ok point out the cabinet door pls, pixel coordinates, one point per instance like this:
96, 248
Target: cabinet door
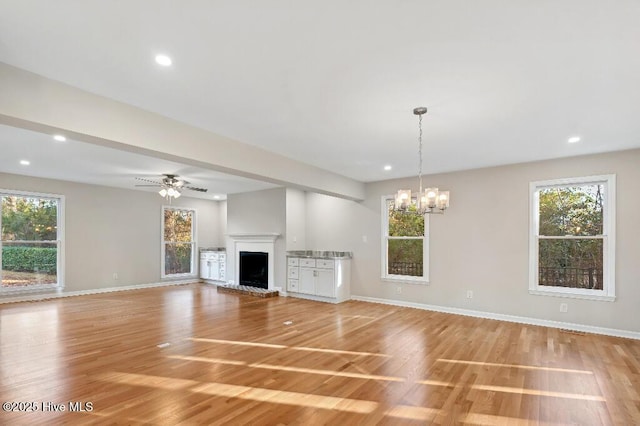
208, 273
293, 272
306, 283
308, 263
293, 285
214, 271
204, 273
223, 270
324, 283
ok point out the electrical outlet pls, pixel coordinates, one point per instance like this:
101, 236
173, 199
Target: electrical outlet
364, 239
399, 289
115, 275
564, 307
469, 294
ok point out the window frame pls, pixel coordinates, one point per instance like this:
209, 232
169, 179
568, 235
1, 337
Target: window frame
385, 276
193, 269
60, 243
608, 238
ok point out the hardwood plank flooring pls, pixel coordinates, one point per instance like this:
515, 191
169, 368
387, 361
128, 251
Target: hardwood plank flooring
236, 359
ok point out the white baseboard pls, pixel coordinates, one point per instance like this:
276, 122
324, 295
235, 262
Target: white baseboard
502, 317
311, 297
26, 297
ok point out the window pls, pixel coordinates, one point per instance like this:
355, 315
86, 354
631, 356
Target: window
405, 247
572, 239
178, 242
31, 241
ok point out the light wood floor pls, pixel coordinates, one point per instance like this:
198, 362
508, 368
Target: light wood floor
244, 360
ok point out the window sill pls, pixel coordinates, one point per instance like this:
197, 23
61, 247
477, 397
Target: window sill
572, 295
38, 288
179, 276
406, 280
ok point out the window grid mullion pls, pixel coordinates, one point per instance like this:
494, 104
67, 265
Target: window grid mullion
572, 237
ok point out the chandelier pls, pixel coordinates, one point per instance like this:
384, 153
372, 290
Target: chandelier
428, 201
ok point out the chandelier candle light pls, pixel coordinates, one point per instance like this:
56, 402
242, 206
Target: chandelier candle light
428, 201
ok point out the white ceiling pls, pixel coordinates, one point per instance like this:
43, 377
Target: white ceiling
333, 83
88, 163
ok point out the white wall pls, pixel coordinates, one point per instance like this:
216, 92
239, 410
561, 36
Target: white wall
110, 230
296, 219
332, 223
222, 223
481, 243
258, 211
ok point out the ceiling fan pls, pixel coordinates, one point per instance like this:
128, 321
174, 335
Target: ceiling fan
171, 186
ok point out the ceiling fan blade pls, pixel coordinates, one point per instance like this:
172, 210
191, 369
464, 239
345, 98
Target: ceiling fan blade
148, 180
170, 181
196, 189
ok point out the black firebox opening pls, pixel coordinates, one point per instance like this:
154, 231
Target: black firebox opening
254, 269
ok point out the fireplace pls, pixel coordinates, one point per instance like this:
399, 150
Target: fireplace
254, 243
254, 269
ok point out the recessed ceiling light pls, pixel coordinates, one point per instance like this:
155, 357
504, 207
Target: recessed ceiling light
25, 162
216, 197
387, 167
574, 139
163, 60
59, 138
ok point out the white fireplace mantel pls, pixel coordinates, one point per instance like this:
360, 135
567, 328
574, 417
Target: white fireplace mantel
263, 242
269, 236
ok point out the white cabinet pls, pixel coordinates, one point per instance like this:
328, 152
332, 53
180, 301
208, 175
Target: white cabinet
293, 273
205, 267
222, 266
325, 283
319, 278
213, 265
307, 282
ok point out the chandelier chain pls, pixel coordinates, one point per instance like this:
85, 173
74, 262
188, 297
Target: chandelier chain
420, 151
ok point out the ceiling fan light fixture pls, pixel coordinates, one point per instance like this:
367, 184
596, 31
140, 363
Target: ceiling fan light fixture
170, 193
171, 186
